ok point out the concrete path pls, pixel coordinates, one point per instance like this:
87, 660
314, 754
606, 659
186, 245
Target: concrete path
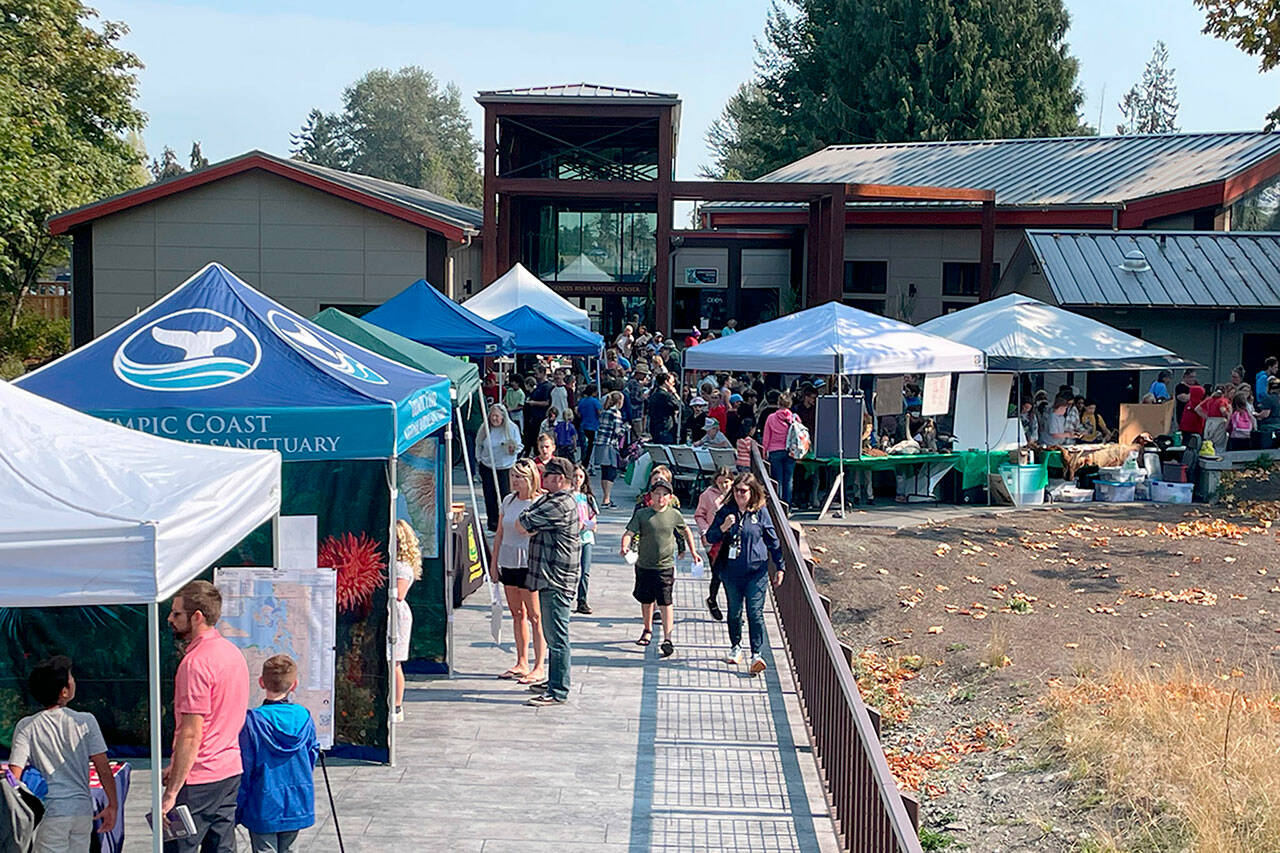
683, 754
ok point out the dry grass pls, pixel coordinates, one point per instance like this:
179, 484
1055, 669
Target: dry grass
1180, 762
996, 653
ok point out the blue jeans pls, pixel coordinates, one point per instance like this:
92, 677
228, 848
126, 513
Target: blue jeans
782, 468
585, 577
555, 628
751, 590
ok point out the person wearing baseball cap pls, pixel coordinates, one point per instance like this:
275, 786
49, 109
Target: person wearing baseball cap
555, 553
657, 526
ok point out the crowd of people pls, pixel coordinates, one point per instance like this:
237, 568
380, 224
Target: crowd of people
1237, 414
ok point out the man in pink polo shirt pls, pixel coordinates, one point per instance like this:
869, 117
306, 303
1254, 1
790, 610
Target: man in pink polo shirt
210, 698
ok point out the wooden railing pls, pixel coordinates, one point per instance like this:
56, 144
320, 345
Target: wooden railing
870, 813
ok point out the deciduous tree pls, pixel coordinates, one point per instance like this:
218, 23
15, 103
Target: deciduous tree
66, 104
1254, 26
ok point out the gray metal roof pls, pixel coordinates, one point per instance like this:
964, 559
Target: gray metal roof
576, 90
427, 202
1076, 170
1201, 269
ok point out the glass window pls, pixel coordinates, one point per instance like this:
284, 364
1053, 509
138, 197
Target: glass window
1258, 209
963, 279
577, 245
757, 305
875, 306
866, 276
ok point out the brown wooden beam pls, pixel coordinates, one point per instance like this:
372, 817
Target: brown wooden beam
812, 244
802, 191
552, 187
489, 231
858, 192
666, 212
986, 257
835, 248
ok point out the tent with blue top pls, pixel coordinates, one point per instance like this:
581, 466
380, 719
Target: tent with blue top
423, 314
535, 332
216, 362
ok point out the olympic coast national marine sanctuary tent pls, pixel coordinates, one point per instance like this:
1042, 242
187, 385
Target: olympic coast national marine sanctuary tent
216, 362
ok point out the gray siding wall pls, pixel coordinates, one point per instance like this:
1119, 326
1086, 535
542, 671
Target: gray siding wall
916, 255
298, 245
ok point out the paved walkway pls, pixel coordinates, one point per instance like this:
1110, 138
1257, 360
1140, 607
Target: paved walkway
683, 754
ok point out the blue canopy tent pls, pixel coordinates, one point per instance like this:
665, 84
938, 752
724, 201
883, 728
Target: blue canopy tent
423, 314
216, 362
535, 332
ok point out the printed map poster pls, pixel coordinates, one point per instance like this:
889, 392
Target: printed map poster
268, 612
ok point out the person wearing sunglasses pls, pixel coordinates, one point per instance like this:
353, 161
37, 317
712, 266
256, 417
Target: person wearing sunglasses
748, 543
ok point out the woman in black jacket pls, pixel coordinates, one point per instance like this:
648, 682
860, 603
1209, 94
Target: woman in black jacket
747, 542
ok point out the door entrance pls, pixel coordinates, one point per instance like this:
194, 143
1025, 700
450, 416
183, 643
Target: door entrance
1255, 348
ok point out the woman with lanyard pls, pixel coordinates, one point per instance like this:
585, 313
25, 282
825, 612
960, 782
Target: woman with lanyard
497, 446
748, 541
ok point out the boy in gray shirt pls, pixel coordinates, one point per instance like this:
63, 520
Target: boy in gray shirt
60, 743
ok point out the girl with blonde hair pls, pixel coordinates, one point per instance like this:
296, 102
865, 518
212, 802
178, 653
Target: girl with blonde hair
408, 570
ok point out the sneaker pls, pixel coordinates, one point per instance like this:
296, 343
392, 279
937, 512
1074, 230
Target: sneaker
758, 665
544, 701
583, 608
398, 716
715, 610
735, 656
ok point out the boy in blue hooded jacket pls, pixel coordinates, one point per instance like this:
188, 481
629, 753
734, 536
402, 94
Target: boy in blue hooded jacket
278, 747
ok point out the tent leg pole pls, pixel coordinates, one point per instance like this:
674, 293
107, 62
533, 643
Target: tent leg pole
840, 427
392, 621
484, 556
446, 469
986, 424
153, 677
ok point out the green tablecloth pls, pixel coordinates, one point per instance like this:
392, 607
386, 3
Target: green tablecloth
972, 464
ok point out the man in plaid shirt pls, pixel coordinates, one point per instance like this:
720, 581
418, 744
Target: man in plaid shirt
555, 552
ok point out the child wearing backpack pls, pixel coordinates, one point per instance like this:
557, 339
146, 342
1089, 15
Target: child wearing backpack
278, 748
1241, 424
61, 743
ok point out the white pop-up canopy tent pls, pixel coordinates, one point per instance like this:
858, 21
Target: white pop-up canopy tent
835, 339
95, 513
1024, 335
520, 287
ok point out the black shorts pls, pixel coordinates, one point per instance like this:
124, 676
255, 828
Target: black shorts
653, 586
514, 577
608, 473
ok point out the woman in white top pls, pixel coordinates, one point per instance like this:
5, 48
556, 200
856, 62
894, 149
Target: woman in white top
510, 566
408, 570
497, 446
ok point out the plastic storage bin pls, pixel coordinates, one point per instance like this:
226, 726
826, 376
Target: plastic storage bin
1171, 493
1113, 492
1025, 483
1173, 472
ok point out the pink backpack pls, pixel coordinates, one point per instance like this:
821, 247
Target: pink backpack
1241, 423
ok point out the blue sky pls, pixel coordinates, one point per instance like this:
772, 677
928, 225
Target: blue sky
238, 75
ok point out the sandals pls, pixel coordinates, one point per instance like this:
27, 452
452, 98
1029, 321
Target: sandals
529, 679
646, 637
667, 648
513, 674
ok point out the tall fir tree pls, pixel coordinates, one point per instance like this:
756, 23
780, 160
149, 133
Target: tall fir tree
400, 126
865, 71
197, 158
167, 165
1151, 106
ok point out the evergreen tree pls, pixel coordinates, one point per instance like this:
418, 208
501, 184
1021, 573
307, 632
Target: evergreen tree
400, 126
1254, 25
1151, 106
862, 71
198, 160
167, 165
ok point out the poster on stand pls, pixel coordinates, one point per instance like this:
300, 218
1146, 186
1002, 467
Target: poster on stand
937, 395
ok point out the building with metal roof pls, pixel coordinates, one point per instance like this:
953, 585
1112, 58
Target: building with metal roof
309, 236
1211, 296
575, 90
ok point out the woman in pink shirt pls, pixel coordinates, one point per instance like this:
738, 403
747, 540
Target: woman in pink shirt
708, 505
781, 465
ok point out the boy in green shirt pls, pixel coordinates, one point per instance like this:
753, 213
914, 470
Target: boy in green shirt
657, 526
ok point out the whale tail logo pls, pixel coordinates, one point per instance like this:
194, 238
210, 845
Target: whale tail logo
195, 344
322, 351
146, 358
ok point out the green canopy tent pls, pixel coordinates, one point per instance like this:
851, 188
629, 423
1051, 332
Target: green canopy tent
464, 375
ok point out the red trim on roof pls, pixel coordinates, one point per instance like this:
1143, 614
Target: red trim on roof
65, 222
1014, 218
1250, 178
1138, 213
